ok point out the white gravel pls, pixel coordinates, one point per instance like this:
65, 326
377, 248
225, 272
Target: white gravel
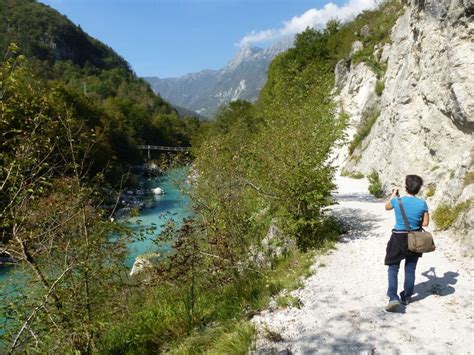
344, 300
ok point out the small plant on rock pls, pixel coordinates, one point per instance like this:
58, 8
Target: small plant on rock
445, 215
375, 185
379, 87
431, 190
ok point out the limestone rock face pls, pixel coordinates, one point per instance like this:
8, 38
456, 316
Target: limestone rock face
426, 120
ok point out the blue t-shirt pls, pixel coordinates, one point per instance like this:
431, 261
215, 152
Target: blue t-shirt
414, 208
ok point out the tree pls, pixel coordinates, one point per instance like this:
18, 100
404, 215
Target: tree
50, 221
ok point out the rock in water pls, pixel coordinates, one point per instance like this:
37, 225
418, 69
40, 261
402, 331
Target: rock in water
158, 191
143, 263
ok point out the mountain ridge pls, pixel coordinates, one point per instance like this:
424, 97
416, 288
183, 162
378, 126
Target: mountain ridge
205, 91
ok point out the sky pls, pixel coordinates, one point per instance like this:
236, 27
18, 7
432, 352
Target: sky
169, 38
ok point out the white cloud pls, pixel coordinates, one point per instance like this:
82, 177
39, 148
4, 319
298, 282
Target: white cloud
312, 18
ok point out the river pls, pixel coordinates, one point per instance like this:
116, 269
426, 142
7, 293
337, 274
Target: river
173, 204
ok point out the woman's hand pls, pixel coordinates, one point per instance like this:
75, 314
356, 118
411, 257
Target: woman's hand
388, 205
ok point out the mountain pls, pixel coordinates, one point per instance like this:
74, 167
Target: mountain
203, 92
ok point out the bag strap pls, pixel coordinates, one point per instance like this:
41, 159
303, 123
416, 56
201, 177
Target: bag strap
404, 216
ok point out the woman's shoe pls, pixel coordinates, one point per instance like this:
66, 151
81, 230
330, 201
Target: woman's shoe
392, 306
403, 299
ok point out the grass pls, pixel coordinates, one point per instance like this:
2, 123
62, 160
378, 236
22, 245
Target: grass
221, 324
288, 301
375, 185
230, 338
363, 131
445, 215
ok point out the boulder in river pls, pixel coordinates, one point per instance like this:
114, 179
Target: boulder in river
143, 263
158, 191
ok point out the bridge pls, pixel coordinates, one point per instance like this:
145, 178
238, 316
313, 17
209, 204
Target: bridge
148, 148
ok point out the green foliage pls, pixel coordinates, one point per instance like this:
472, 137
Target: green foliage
259, 165
109, 97
375, 185
379, 21
157, 320
431, 190
445, 215
70, 273
379, 87
363, 130
46, 35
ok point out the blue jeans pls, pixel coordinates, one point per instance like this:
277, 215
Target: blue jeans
409, 285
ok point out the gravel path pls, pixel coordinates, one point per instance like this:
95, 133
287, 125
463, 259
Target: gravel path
343, 302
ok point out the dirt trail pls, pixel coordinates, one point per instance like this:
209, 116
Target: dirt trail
343, 302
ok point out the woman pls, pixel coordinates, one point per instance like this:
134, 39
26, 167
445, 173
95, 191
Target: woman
416, 211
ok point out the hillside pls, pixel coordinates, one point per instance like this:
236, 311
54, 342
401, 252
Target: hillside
241, 79
44, 34
120, 104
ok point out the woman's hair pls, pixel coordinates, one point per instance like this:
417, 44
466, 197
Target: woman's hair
413, 184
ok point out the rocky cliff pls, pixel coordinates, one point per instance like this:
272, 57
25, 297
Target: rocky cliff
423, 103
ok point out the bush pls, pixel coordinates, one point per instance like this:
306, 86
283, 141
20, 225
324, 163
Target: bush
445, 215
363, 131
375, 185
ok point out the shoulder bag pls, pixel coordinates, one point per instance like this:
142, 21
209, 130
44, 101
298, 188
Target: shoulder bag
418, 242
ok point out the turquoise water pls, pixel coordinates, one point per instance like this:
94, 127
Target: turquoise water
172, 205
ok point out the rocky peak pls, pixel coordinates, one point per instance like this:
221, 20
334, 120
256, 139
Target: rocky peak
246, 53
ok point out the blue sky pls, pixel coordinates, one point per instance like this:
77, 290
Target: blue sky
172, 37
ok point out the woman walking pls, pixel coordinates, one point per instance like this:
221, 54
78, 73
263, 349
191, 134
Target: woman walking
416, 211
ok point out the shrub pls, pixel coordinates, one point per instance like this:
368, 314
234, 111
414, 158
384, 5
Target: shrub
363, 131
445, 215
430, 191
379, 87
375, 185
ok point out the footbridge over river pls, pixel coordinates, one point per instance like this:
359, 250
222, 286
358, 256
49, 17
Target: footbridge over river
148, 148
